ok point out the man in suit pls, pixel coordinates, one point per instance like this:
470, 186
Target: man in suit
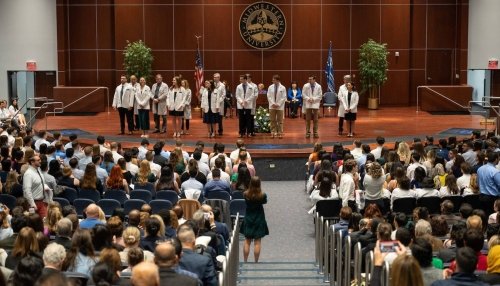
311, 94
53, 258
191, 261
17, 223
166, 260
64, 229
245, 100
221, 89
123, 101
342, 95
160, 92
276, 96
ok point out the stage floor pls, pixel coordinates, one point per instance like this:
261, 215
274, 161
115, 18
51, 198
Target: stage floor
393, 123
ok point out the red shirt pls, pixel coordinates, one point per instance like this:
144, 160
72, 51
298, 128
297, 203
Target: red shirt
482, 263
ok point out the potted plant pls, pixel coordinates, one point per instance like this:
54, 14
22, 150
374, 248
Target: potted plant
372, 66
138, 59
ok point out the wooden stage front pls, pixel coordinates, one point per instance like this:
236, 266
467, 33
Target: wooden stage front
393, 123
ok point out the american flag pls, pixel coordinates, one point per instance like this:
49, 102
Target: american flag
329, 71
198, 72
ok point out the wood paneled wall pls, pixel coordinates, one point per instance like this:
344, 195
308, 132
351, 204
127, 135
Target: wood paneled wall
430, 36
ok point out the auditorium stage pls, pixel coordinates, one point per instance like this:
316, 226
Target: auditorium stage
393, 123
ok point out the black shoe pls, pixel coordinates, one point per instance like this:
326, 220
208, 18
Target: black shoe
121, 133
156, 131
253, 134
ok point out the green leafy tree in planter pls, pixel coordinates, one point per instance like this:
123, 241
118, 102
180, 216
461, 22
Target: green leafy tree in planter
262, 122
138, 59
372, 66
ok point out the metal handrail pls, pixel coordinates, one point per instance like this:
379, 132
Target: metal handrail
34, 107
438, 93
39, 108
338, 267
57, 110
357, 263
98, 88
316, 239
386, 270
321, 245
333, 255
347, 260
368, 267
326, 247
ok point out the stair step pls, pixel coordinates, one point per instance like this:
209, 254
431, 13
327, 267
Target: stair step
280, 273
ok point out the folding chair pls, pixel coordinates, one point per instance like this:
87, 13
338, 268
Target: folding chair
218, 195
433, 204
329, 100
404, 205
133, 204
168, 195
89, 194
108, 206
456, 200
80, 205
8, 200
62, 201
117, 195
144, 195
238, 206
237, 195
70, 194
157, 205
329, 209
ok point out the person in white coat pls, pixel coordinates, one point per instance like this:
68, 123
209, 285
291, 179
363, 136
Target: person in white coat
187, 107
254, 106
221, 91
210, 104
245, 95
276, 96
159, 92
351, 108
123, 101
176, 101
312, 94
342, 95
134, 85
142, 97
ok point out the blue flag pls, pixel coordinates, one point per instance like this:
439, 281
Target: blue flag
329, 71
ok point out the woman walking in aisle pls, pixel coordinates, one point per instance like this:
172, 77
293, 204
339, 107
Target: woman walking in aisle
255, 225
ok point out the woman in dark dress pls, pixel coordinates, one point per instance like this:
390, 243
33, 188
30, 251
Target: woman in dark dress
255, 225
351, 109
210, 106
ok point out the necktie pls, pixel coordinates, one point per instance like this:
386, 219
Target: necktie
157, 91
41, 179
312, 88
244, 90
121, 93
275, 92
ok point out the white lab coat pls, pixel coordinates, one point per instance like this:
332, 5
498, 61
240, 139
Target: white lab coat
342, 95
128, 96
178, 101
221, 92
142, 97
280, 96
215, 100
247, 97
354, 102
162, 99
315, 95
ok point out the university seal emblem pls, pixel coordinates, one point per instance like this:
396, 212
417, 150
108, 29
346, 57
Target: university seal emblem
262, 25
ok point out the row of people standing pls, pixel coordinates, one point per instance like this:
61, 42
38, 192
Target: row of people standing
137, 99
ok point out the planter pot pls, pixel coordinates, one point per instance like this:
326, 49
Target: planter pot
372, 103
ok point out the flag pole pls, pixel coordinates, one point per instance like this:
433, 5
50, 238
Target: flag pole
198, 95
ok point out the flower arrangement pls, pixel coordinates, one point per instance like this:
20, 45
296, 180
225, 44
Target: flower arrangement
262, 122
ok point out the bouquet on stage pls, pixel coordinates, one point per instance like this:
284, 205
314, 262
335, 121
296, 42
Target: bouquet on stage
262, 122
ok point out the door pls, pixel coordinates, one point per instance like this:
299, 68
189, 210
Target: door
439, 67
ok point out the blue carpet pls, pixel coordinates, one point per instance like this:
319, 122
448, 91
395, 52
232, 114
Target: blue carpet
67, 132
458, 131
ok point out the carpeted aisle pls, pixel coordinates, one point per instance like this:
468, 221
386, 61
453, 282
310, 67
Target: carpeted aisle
287, 256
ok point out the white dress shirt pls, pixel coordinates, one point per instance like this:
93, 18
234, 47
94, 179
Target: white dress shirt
347, 188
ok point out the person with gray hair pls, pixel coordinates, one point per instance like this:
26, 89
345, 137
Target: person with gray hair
342, 97
64, 231
194, 262
53, 257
